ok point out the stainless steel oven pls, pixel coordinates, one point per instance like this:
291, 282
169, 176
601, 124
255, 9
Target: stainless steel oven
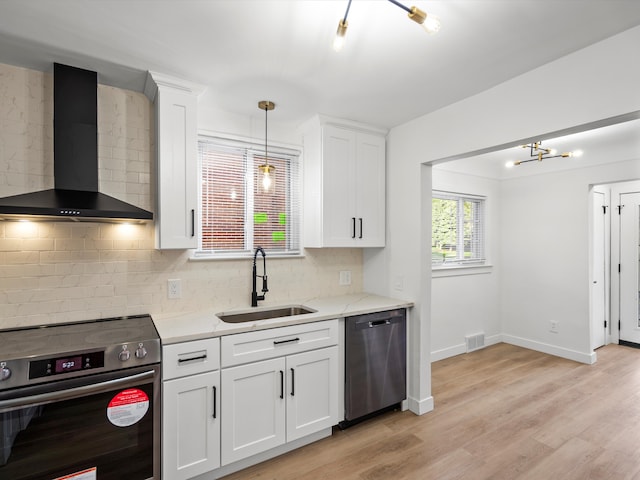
81, 401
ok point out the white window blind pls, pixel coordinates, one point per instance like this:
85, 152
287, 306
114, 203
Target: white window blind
458, 224
236, 214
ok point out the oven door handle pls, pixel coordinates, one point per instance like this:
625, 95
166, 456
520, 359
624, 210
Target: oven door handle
68, 394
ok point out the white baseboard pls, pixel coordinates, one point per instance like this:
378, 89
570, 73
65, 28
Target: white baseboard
448, 352
420, 407
588, 358
461, 348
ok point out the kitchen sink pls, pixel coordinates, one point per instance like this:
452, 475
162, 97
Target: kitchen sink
277, 312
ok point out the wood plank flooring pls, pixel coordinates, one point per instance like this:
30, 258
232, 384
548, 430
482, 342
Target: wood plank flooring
503, 412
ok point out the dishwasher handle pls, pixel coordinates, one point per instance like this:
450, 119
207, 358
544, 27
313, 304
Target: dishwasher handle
379, 323
377, 319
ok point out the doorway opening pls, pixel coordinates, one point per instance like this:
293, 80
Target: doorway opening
615, 264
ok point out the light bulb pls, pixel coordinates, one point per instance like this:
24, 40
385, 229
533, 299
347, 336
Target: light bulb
431, 24
266, 181
553, 151
576, 153
509, 164
338, 41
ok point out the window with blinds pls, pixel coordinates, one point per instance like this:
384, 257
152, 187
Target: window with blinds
457, 223
236, 214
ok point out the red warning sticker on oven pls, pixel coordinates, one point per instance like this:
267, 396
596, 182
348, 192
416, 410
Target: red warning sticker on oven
128, 407
88, 474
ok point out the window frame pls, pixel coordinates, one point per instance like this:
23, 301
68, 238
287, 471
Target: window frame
254, 149
479, 232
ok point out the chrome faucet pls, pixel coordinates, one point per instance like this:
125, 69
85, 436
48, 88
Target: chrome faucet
254, 294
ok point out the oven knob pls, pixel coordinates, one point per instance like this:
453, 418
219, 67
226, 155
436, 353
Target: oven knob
5, 372
125, 354
141, 352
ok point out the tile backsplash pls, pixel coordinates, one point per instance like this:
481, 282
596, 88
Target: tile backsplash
53, 272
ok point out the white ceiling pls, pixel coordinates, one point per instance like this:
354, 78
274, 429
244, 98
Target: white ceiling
610, 144
389, 72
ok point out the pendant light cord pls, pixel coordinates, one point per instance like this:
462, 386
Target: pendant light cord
266, 156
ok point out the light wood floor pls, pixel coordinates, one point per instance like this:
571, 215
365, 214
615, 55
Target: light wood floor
500, 413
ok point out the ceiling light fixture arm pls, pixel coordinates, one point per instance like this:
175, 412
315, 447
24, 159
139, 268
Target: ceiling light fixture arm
346, 13
395, 2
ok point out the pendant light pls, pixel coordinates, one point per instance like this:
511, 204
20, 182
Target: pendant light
266, 170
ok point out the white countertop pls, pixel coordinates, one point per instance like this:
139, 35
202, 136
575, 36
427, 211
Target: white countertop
174, 328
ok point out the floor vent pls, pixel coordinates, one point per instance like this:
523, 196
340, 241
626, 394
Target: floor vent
474, 342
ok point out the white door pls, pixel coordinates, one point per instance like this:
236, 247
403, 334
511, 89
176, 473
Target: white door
312, 392
629, 249
191, 426
598, 290
253, 399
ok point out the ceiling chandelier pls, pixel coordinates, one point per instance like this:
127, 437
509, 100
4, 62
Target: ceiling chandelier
266, 170
537, 154
430, 23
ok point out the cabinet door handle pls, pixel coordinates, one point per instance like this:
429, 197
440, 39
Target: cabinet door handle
293, 382
281, 384
360, 228
215, 406
193, 222
353, 227
280, 342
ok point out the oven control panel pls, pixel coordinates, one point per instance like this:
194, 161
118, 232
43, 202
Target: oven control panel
65, 364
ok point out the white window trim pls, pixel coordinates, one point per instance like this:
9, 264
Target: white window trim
460, 270
471, 267
198, 255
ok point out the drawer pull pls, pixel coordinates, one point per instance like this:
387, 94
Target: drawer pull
279, 342
192, 359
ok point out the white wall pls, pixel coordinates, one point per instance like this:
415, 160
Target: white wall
598, 82
466, 301
545, 258
54, 272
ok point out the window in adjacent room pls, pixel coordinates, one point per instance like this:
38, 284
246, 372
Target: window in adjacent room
236, 214
457, 236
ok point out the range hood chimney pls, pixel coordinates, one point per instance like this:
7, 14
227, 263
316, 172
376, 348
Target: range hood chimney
75, 157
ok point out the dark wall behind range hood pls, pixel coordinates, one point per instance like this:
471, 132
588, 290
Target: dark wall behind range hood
75, 157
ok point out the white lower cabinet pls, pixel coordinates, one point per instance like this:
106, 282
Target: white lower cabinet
271, 402
192, 431
312, 400
254, 409
230, 398
190, 409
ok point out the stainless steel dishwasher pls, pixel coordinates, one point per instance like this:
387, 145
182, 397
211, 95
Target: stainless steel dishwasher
375, 363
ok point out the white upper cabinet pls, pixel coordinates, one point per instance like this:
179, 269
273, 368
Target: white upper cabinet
344, 184
176, 103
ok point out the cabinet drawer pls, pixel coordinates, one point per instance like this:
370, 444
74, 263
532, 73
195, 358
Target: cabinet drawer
190, 358
276, 342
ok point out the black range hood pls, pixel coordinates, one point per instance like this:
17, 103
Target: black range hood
75, 158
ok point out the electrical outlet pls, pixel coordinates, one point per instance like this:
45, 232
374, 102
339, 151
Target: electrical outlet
345, 277
174, 288
553, 326
398, 283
